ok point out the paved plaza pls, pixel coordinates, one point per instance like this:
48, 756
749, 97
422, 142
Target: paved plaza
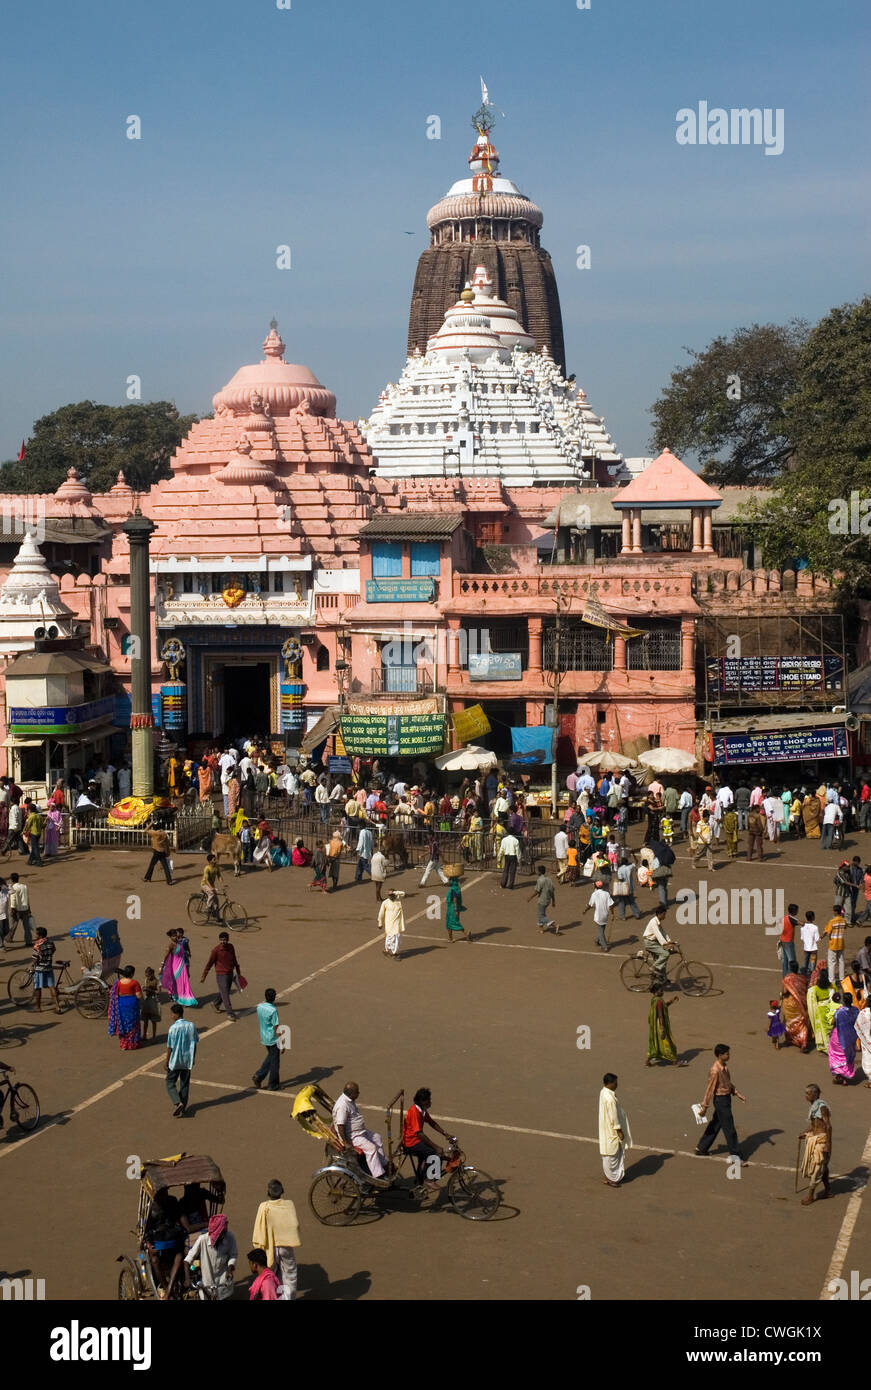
493, 1029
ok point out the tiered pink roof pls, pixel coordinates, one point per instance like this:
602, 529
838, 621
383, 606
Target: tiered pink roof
667, 482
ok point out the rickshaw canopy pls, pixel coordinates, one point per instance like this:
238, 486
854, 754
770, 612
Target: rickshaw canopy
305, 1112
160, 1173
104, 929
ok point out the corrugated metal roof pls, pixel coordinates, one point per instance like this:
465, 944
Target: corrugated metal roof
762, 723
53, 664
413, 526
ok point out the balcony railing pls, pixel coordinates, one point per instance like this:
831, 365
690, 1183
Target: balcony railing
401, 680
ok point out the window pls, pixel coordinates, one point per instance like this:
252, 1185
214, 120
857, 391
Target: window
657, 650
187, 583
323, 659
601, 716
425, 559
582, 648
386, 560
278, 582
31, 764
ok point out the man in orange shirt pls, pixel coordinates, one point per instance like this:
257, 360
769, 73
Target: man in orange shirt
416, 1116
788, 961
834, 930
720, 1090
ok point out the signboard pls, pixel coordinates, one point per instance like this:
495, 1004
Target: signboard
775, 748
399, 590
340, 767
495, 666
471, 723
393, 735
775, 673
59, 719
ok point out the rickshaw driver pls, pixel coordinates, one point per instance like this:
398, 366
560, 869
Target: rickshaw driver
212, 876
352, 1132
416, 1116
165, 1240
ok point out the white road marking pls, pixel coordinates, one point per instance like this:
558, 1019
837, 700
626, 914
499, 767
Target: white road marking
845, 1234
146, 1068
596, 955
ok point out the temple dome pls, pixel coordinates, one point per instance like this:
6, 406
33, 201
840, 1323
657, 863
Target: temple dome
281, 385
30, 589
467, 333
504, 321
73, 489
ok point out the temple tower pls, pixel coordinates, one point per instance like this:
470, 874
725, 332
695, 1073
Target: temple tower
485, 220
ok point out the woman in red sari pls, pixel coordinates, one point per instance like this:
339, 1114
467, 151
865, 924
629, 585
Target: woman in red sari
204, 777
125, 1010
794, 1011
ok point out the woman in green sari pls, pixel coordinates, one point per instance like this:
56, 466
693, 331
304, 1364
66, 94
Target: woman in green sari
821, 1010
660, 1043
454, 906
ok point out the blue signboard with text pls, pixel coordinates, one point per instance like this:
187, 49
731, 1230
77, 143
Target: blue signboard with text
399, 590
495, 666
792, 746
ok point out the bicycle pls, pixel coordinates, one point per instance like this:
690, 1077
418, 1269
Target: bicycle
638, 973
228, 914
90, 995
24, 1102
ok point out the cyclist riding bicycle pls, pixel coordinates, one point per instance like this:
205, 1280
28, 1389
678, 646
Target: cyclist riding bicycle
211, 878
658, 942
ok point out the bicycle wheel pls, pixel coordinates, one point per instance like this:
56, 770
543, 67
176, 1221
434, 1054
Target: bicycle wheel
92, 998
637, 974
19, 987
473, 1193
197, 909
694, 978
335, 1199
24, 1108
233, 915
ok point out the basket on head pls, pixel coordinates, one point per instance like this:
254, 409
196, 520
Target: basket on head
454, 870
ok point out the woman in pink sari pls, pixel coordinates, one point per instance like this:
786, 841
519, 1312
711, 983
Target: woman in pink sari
842, 1043
174, 976
53, 824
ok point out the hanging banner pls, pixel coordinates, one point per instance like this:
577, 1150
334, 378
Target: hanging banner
596, 616
536, 744
393, 735
471, 723
726, 674
776, 748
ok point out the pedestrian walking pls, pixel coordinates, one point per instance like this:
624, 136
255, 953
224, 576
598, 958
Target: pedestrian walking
19, 908
509, 857
276, 1233
703, 840
660, 1043
454, 906
364, 854
720, 1090
817, 1145
602, 904
181, 1052
160, 851
755, 830
834, 930
226, 964
810, 940
33, 828
334, 860
43, 970
433, 863
614, 1134
264, 1285
267, 1018
391, 920
857, 879
624, 886
788, 961
378, 870
545, 892
561, 853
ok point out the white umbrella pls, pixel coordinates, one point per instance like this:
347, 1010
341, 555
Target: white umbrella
668, 760
608, 761
468, 759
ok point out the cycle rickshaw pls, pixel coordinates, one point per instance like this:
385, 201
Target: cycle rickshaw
202, 1185
99, 950
344, 1183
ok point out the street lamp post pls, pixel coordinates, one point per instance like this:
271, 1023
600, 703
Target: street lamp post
138, 530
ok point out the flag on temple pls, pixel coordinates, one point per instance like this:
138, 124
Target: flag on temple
22, 452
595, 614
485, 95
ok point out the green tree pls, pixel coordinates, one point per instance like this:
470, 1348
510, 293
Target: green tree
98, 440
820, 510
728, 405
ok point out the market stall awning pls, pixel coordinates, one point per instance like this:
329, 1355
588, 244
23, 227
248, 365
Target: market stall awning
777, 723
326, 725
23, 743
88, 736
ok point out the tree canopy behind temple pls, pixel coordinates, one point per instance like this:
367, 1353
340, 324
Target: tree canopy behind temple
728, 406
98, 440
821, 507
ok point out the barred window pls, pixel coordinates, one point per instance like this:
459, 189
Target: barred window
581, 648
657, 650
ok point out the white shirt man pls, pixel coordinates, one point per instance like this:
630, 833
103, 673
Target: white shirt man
831, 794
601, 902
391, 920
726, 797
500, 806
399, 789
346, 1114
124, 782
657, 942
106, 783
217, 1263
509, 847
561, 852
226, 761
245, 766
338, 792
586, 784
810, 940
625, 786
832, 813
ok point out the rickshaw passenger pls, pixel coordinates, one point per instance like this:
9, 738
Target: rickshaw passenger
416, 1116
165, 1240
351, 1129
194, 1207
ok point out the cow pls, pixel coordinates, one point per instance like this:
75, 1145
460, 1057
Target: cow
394, 843
229, 845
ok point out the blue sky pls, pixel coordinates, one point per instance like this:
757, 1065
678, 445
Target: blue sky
307, 126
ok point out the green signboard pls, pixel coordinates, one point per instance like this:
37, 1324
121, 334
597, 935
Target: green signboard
399, 590
393, 735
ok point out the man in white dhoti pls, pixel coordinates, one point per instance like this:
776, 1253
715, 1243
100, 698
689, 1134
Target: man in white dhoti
391, 920
614, 1134
351, 1130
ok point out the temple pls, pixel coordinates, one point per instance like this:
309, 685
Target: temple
477, 548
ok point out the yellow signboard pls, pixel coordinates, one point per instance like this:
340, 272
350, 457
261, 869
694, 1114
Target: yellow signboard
471, 723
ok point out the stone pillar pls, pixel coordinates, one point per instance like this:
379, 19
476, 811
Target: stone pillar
697, 531
687, 646
627, 534
453, 644
535, 645
138, 530
620, 652
636, 531
707, 532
